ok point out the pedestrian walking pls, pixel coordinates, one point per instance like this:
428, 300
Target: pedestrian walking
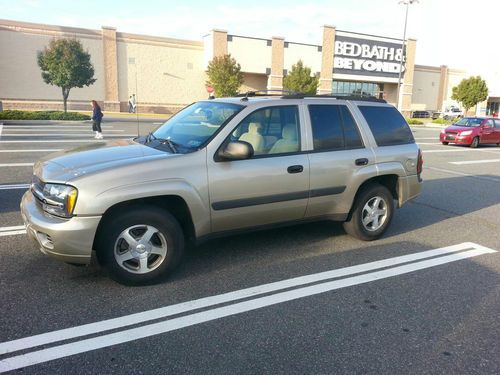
96, 120
131, 104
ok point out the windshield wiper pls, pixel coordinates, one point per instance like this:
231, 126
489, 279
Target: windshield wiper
150, 137
170, 144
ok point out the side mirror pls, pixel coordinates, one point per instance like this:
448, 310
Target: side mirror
486, 126
235, 150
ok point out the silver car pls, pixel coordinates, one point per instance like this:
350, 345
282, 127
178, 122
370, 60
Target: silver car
219, 167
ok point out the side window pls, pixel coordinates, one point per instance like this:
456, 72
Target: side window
271, 130
497, 124
490, 123
326, 127
333, 128
387, 125
351, 132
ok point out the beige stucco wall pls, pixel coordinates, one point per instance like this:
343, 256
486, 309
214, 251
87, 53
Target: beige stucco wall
453, 79
253, 82
254, 55
168, 72
20, 76
309, 54
426, 88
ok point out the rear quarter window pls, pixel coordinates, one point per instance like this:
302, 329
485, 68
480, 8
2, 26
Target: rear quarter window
387, 125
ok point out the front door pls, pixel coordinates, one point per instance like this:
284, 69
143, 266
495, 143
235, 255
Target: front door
273, 185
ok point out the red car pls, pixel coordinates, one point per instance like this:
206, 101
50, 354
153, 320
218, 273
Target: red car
472, 131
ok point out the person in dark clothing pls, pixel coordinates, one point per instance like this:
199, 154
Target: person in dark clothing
96, 119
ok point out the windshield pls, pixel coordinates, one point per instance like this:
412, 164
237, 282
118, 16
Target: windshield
469, 121
192, 127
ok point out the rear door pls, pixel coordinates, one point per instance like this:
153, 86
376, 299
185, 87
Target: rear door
488, 132
339, 160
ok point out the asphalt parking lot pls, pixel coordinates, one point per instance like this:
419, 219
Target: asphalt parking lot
305, 299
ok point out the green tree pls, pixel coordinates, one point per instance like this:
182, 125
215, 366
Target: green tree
65, 64
469, 92
300, 80
224, 74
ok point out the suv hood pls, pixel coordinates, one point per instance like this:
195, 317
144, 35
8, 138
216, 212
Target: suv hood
70, 164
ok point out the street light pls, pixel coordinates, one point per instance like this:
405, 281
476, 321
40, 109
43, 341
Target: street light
407, 3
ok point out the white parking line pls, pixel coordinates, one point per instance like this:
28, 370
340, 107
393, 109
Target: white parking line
484, 178
428, 138
62, 134
60, 140
475, 161
33, 150
11, 231
16, 165
14, 186
1, 128
50, 131
465, 250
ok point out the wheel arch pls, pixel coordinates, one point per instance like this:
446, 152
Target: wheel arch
173, 204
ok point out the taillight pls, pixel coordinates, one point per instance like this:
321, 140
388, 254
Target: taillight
420, 163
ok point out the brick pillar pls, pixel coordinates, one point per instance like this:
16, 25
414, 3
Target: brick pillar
111, 98
443, 87
219, 39
275, 79
407, 87
327, 52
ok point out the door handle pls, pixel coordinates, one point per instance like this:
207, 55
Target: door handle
363, 161
295, 169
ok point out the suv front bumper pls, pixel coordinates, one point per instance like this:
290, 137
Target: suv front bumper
69, 240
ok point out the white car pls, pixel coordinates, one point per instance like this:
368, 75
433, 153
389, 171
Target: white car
452, 113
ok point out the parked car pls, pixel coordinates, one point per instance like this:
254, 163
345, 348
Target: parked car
452, 113
472, 131
222, 166
420, 114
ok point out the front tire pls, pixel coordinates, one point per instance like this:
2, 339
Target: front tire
141, 246
475, 142
371, 214
445, 143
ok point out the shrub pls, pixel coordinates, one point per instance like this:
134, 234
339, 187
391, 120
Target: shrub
413, 121
442, 121
42, 115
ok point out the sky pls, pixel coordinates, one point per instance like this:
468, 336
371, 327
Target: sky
457, 33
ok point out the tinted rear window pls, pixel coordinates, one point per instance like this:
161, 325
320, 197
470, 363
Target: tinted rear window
387, 125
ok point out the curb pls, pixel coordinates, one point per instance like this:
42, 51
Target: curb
47, 122
430, 125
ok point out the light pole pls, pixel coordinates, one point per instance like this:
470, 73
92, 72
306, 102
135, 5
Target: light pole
407, 3
131, 61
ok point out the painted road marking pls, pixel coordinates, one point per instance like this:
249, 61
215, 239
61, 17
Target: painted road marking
475, 161
11, 231
50, 131
14, 186
16, 165
434, 138
465, 250
72, 135
1, 128
60, 140
34, 150
485, 178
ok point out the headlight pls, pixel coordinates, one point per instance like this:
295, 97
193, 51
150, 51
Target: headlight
58, 200
467, 132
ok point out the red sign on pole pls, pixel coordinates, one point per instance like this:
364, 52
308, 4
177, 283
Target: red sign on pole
210, 89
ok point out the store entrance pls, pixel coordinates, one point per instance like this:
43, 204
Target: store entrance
493, 106
349, 88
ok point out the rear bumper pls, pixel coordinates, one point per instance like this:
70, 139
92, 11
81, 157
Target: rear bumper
69, 240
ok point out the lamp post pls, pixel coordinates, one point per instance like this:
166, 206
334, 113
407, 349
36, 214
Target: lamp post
407, 3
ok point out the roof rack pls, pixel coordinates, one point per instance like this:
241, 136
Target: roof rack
281, 93
288, 94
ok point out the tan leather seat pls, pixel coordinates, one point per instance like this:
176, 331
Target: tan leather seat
254, 137
288, 142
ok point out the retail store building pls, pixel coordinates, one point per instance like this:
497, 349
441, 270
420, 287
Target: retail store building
166, 73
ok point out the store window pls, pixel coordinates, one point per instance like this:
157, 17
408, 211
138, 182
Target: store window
358, 88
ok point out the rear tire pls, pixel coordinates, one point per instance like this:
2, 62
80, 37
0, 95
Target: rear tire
475, 142
371, 213
140, 246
